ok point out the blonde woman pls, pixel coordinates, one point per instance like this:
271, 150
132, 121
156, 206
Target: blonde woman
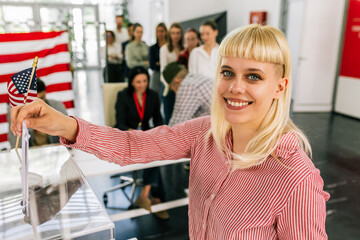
251, 176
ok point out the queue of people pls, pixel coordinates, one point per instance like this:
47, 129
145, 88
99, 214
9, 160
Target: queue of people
172, 45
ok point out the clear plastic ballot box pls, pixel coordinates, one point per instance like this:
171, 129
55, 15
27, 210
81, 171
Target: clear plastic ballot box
60, 203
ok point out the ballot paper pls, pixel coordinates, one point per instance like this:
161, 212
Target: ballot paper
25, 167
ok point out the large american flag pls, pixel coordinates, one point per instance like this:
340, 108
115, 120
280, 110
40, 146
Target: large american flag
17, 52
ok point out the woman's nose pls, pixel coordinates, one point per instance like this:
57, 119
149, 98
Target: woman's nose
237, 86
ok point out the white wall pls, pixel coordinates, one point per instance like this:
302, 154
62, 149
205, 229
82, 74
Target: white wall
239, 12
139, 12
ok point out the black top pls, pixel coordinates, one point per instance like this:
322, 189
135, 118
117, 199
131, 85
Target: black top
127, 115
154, 56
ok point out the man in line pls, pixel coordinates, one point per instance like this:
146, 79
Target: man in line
120, 32
193, 93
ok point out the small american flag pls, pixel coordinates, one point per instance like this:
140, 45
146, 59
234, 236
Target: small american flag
18, 87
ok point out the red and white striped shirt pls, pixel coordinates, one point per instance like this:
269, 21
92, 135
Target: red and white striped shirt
270, 201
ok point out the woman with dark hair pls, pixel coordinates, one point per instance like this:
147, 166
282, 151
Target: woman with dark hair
137, 51
154, 56
169, 53
113, 70
135, 106
192, 40
204, 59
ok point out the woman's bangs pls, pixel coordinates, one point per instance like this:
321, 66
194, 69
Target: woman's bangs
257, 44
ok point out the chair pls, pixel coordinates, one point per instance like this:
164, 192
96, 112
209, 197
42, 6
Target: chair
110, 91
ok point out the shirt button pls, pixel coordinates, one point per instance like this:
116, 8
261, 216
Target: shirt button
212, 196
203, 225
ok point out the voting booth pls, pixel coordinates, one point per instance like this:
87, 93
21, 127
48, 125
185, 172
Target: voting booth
61, 204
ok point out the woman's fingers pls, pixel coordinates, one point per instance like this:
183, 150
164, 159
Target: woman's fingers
13, 115
40, 116
25, 113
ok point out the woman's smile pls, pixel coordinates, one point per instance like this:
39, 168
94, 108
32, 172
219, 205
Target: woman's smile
236, 104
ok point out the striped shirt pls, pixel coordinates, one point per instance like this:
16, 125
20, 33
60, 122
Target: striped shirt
193, 98
274, 200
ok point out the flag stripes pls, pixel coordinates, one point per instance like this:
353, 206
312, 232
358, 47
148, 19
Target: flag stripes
29, 36
25, 56
17, 52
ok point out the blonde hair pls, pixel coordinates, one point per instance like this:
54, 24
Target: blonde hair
265, 44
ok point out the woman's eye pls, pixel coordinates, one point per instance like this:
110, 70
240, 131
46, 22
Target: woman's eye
226, 73
253, 77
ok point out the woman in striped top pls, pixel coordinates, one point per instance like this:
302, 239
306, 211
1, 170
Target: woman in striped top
251, 176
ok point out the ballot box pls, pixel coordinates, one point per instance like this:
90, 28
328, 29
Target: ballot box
61, 204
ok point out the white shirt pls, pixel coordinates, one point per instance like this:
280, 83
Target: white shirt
200, 62
112, 50
166, 57
121, 36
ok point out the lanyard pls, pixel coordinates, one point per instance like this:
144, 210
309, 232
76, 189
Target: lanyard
140, 110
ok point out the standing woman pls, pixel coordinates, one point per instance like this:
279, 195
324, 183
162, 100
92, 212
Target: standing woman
113, 69
135, 106
154, 57
169, 53
204, 59
137, 51
192, 41
251, 174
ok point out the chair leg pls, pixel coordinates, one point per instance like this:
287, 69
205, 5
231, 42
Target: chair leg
124, 182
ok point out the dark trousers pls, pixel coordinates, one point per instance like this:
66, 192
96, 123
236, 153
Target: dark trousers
114, 73
168, 101
152, 176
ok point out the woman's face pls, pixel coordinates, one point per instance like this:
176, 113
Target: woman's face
175, 35
138, 32
246, 89
140, 83
208, 35
109, 38
160, 33
191, 40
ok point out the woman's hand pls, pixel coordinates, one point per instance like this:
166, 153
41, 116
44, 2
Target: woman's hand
41, 117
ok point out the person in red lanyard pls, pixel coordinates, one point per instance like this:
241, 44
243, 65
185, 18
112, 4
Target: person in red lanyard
135, 106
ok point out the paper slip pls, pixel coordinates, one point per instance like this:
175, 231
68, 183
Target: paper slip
25, 167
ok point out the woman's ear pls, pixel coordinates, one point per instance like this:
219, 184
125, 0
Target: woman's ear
281, 86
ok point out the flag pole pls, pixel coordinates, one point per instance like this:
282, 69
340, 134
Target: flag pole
27, 93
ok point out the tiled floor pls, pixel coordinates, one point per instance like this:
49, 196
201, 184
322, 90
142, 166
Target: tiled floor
335, 140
